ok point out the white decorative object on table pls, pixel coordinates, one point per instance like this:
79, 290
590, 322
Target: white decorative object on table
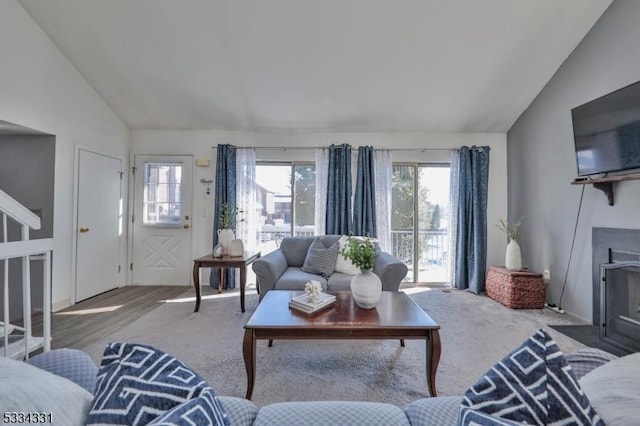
237, 248
225, 236
228, 216
313, 289
366, 289
313, 299
513, 256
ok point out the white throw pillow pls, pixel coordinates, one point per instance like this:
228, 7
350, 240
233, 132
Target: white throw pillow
614, 390
343, 264
28, 389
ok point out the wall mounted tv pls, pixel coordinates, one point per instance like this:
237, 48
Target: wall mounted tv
606, 132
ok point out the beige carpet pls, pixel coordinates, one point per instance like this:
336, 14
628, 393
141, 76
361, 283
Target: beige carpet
475, 331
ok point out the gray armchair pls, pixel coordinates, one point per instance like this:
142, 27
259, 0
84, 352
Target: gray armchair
281, 269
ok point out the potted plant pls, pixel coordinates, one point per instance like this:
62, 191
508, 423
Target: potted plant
366, 286
361, 252
226, 232
513, 255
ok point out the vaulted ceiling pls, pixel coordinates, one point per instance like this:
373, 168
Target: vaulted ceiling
330, 65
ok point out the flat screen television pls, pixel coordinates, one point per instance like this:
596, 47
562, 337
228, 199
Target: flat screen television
606, 132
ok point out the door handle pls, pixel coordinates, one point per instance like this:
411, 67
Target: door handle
84, 229
185, 226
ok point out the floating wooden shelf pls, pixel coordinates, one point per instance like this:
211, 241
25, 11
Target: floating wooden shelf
606, 184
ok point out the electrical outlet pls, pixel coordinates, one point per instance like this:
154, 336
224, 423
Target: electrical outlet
546, 275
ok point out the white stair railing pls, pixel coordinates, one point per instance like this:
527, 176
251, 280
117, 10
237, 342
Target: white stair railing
13, 345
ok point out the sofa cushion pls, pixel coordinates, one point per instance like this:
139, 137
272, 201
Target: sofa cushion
25, 388
339, 282
321, 259
434, 411
71, 364
137, 384
241, 412
295, 250
296, 278
614, 390
586, 360
533, 384
322, 413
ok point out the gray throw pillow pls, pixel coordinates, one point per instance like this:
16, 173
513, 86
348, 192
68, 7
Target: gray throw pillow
320, 259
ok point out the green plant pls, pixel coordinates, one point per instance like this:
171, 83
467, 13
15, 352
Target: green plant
512, 231
361, 251
228, 216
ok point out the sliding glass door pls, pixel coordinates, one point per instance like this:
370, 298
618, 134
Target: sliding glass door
286, 201
419, 220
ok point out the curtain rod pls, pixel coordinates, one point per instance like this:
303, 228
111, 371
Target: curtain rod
298, 148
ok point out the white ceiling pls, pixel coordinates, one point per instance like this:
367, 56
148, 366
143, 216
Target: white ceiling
330, 65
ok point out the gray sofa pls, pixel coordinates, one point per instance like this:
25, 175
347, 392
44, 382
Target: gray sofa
281, 269
30, 389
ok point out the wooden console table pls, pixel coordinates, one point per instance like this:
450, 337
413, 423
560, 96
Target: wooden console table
221, 263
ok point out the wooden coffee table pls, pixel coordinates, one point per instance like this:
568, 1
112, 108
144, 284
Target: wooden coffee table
395, 317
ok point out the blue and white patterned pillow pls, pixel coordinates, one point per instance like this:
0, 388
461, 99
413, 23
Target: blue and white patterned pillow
533, 384
201, 411
138, 383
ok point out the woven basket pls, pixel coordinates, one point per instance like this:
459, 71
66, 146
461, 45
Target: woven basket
516, 289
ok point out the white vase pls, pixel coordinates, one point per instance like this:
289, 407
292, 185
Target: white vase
225, 236
237, 248
366, 289
513, 257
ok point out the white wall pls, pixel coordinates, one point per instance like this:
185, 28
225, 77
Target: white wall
542, 163
42, 90
200, 143
33, 156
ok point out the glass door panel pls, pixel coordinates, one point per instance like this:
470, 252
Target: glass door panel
286, 201
419, 220
403, 216
433, 214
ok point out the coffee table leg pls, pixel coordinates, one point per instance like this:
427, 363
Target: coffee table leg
433, 358
196, 283
249, 353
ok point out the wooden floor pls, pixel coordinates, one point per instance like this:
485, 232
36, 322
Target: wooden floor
90, 320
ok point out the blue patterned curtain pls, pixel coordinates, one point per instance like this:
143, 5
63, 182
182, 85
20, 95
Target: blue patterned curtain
364, 208
225, 193
338, 220
471, 239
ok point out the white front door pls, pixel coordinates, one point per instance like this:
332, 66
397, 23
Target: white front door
98, 230
162, 220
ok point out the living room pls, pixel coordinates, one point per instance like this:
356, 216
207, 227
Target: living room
532, 153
